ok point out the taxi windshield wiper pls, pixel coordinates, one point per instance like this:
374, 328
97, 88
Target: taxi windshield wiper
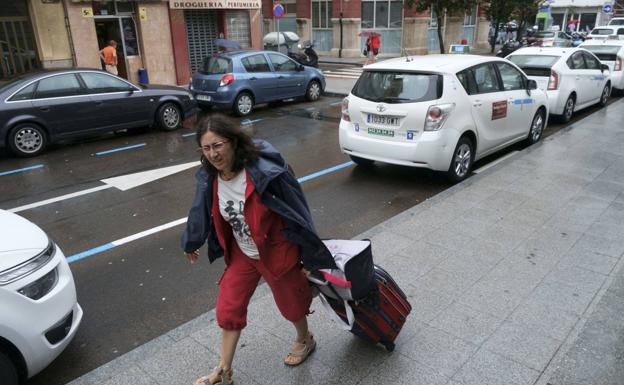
392, 99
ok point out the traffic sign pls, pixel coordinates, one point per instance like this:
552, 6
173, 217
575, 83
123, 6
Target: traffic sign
278, 11
607, 8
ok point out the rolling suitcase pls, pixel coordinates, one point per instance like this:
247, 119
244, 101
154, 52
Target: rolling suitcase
377, 318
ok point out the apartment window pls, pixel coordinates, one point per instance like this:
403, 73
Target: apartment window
321, 14
382, 14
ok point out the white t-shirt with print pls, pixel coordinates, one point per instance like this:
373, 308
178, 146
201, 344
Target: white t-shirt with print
231, 206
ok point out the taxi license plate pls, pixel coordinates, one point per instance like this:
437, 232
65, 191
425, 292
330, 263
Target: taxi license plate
381, 132
380, 119
206, 98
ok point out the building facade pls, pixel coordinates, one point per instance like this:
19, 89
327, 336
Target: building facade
583, 14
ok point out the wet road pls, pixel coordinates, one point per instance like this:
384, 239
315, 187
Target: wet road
139, 290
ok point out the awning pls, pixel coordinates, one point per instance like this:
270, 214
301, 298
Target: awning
210, 4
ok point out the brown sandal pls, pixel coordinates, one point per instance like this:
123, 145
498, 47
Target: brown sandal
307, 347
223, 378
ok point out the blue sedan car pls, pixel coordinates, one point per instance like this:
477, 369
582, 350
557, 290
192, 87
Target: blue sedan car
242, 79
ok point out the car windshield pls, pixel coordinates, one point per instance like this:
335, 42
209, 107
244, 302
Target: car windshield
398, 87
602, 31
216, 65
545, 34
523, 61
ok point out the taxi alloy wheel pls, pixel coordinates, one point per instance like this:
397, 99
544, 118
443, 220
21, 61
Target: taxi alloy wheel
27, 140
568, 110
605, 96
462, 160
537, 128
243, 104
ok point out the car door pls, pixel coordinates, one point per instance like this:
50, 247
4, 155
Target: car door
62, 103
596, 78
520, 105
116, 102
262, 80
290, 81
580, 76
488, 103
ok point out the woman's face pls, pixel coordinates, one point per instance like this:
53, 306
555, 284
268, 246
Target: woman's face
218, 150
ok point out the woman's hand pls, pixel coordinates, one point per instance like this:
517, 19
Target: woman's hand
192, 256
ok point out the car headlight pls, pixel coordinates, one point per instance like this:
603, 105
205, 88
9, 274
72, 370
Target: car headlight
40, 287
30, 266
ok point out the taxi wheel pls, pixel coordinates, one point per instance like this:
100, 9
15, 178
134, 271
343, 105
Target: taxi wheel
463, 157
8, 372
27, 139
604, 97
169, 117
568, 110
243, 104
361, 161
537, 128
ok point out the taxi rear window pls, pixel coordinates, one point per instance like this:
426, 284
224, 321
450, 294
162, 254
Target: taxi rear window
602, 31
398, 87
525, 61
604, 52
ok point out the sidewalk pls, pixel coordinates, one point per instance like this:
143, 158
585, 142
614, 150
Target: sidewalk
515, 277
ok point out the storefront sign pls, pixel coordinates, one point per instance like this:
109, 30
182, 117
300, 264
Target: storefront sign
208, 4
87, 12
143, 13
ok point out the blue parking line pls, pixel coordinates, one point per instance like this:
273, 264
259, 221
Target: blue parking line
90, 252
110, 245
245, 122
21, 169
323, 172
187, 135
120, 149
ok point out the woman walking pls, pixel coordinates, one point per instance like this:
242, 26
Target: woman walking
252, 211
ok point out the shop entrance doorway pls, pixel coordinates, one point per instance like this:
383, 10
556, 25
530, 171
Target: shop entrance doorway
107, 30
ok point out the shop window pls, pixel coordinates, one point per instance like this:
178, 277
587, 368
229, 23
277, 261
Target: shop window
238, 27
382, 14
130, 36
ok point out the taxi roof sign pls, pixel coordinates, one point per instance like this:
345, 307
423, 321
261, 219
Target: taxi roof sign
459, 48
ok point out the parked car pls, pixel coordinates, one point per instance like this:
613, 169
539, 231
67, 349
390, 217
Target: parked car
573, 78
553, 39
43, 107
242, 79
606, 32
440, 112
40, 313
611, 53
616, 21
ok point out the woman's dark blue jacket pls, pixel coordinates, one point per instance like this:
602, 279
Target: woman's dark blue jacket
279, 191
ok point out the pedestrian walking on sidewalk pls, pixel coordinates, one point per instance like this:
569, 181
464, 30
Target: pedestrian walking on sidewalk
373, 43
251, 210
108, 55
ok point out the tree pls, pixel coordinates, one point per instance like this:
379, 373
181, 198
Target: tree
503, 11
439, 8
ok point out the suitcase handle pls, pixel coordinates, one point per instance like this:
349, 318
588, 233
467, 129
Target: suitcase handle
332, 313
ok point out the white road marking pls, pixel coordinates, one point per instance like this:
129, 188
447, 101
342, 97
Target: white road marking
59, 198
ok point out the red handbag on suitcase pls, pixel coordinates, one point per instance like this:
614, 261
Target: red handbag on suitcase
378, 317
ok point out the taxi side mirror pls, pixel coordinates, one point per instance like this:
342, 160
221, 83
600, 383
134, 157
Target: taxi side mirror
531, 85
604, 67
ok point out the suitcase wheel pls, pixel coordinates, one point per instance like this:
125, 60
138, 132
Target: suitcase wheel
389, 346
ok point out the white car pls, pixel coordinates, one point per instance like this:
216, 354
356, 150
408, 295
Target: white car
616, 21
573, 78
606, 32
611, 53
40, 314
440, 112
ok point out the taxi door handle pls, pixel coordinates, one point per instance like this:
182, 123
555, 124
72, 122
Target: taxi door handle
254, 78
477, 103
44, 108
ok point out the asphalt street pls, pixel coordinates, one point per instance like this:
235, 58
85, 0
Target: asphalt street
135, 292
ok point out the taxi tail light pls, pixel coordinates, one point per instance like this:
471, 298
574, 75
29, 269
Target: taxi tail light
345, 110
618, 64
437, 115
226, 80
553, 82
588, 38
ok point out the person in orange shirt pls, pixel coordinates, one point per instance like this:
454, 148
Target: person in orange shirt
108, 55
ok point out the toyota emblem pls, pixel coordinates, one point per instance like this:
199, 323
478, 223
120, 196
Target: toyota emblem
381, 108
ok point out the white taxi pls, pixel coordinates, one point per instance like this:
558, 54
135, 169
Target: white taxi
573, 78
611, 53
39, 313
440, 112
